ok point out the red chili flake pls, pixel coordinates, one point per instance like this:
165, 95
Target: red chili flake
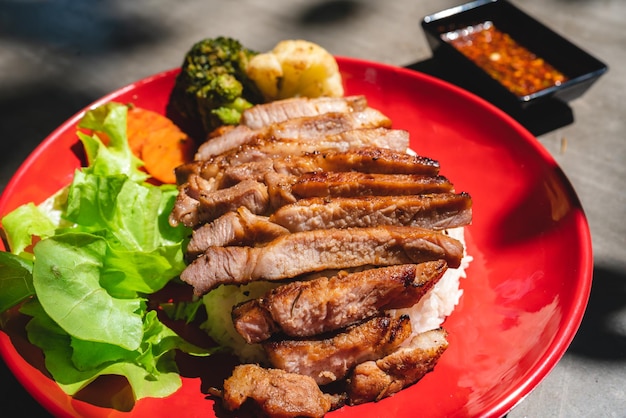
500, 56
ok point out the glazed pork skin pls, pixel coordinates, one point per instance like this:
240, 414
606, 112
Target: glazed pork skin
374, 380
298, 253
320, 305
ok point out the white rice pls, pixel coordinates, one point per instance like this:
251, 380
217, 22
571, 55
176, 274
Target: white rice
430, 312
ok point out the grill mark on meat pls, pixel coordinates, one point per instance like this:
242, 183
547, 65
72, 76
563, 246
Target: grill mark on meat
275, 190
436, 211
330, 359
383, 138
376, 160
277, 111
374, 380
305, 129
368, 160
317, 251
240, 227
275, 392
307, 308
337, 184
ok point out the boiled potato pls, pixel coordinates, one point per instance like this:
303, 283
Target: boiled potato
296, 68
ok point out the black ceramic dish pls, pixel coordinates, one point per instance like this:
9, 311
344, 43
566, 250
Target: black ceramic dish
581, 68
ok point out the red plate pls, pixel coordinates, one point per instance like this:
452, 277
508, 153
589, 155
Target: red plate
526, 289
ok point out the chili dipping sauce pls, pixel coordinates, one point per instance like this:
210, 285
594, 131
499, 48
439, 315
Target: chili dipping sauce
500, 56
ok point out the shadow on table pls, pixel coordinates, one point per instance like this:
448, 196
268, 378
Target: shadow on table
47, 93
601, 334
328, 12
539, 118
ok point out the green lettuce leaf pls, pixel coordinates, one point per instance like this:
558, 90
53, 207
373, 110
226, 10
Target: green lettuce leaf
66, 276
23, 224
116, 157
150, 370
103, 246
16, 281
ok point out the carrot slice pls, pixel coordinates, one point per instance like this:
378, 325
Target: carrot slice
157, 141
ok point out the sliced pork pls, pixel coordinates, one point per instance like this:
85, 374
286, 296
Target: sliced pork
322, 197
274, 190
298, 253
214, 203
329, 359
187, 209
436, 211
266, 114
374, 380
375, 160
240, 227
275, 392
367, 160
380, 138
337, 184
308, 128
307, 308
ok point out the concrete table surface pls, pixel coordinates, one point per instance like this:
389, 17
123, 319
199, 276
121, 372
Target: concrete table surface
58, 56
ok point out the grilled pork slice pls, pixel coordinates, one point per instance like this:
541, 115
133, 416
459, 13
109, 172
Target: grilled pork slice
329, 359
433, 211
240, 227
214, 203
307, 308
393, 139
277, 190
266, 114
334, 184
376, 160
187, 209
275, 392
377, 379
291, 255
308, 128
365, 160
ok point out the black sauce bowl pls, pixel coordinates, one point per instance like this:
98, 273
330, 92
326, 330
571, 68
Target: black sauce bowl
581, 68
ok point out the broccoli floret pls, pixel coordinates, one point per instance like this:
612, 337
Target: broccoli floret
212, 88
